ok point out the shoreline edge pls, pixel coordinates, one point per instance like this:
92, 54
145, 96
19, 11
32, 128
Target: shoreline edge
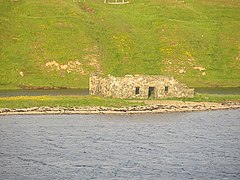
151, 107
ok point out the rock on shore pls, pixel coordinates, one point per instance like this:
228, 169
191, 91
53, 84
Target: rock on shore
151, 107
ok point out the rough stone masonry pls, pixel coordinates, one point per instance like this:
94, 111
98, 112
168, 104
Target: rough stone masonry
138, 86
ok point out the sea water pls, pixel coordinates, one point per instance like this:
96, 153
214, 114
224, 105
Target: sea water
196, 145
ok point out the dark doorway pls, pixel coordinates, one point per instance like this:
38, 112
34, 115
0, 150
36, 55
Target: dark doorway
151, 92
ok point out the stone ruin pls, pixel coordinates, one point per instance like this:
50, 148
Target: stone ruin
138, 86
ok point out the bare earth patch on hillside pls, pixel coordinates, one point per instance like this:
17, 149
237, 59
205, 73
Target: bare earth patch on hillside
89, 62
71, 66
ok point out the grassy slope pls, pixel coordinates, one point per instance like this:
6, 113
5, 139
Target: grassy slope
144, 37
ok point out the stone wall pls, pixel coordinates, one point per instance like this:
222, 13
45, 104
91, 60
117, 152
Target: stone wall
138, 86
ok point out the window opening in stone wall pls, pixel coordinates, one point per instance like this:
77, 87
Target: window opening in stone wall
151, 92
137, 90
166, 89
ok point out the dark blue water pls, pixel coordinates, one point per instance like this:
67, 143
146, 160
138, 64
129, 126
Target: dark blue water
199, 145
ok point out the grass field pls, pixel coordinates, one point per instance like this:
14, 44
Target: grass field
92, 101
62, 101
58, 43
209, 98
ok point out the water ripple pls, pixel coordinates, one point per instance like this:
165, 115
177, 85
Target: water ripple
199, 145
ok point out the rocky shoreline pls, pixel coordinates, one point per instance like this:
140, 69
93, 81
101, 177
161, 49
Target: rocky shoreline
154, 107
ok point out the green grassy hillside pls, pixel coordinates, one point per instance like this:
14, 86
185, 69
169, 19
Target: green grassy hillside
58, 43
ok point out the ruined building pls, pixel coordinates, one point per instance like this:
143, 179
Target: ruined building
138, 86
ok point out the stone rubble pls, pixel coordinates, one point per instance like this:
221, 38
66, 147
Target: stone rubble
157, 108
